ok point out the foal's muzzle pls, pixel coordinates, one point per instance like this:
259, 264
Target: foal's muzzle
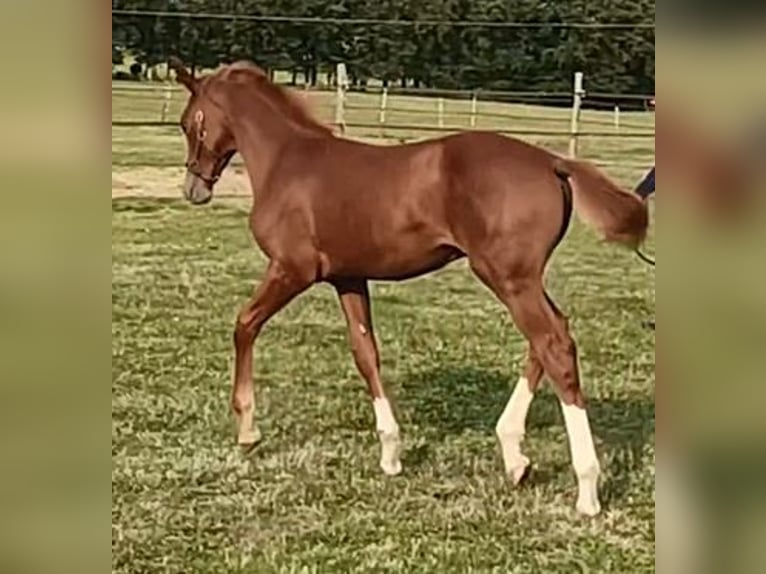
198, 187
197, 190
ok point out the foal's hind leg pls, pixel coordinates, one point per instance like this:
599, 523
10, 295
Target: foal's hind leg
355, 300
567, 384
511, 425
548, 332
546, 329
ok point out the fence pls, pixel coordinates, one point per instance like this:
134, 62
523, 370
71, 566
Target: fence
438, 114
402, 114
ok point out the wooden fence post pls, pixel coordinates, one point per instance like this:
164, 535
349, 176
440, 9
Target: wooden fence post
474, 108
616, 117
440, 111
576, 104
341, 81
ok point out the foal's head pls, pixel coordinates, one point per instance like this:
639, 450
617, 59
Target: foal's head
209, 137
209, 141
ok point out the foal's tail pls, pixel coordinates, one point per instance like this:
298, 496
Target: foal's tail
618, 215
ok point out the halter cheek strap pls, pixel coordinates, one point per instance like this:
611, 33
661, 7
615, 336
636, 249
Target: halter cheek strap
191, 165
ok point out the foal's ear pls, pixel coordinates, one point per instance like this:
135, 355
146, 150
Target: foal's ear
183, 75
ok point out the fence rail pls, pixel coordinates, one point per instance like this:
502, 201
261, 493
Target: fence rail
421, 128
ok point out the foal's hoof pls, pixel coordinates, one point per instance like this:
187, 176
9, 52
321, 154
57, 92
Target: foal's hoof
391, 468
519, 474
249, 440
589, 508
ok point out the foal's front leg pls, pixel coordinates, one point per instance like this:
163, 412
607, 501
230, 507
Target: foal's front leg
278, 288
355, 301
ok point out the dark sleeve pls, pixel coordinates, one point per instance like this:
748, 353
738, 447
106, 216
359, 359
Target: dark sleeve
646, 187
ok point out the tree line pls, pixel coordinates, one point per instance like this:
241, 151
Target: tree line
544, 58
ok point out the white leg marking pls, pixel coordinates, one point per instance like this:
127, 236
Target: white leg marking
248, 432
388, 431
510, 430
584, 459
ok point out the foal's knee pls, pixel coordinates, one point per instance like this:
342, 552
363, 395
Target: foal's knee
241, 405
245, 329
364, 354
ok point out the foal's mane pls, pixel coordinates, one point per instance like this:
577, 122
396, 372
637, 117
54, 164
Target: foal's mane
284, 100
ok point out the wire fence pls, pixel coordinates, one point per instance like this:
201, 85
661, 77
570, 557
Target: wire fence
418, 103
314, 20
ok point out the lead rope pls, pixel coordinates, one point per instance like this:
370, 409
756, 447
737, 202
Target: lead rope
644, 258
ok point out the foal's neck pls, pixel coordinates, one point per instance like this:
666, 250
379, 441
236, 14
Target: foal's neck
262, 133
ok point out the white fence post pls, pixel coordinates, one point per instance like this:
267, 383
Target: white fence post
383, 106
440, 111
341, 81
166, 103
616, 117
576, 104
474, 108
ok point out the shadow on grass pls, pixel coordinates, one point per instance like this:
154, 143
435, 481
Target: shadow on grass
449, 400
147, 205
453, 399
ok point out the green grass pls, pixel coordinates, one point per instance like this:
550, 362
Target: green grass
311, 498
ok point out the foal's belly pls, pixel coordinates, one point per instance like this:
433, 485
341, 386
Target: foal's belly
386, 234
393, 264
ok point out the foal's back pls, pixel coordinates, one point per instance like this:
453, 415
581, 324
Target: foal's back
423, 179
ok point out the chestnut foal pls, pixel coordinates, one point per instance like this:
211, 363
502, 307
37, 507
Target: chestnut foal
332, 210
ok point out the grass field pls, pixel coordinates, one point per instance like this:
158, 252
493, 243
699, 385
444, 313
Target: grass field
311, 497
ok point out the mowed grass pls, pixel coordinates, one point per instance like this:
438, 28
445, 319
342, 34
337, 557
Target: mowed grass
311, 497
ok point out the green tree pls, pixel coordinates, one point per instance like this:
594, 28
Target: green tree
540, 58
